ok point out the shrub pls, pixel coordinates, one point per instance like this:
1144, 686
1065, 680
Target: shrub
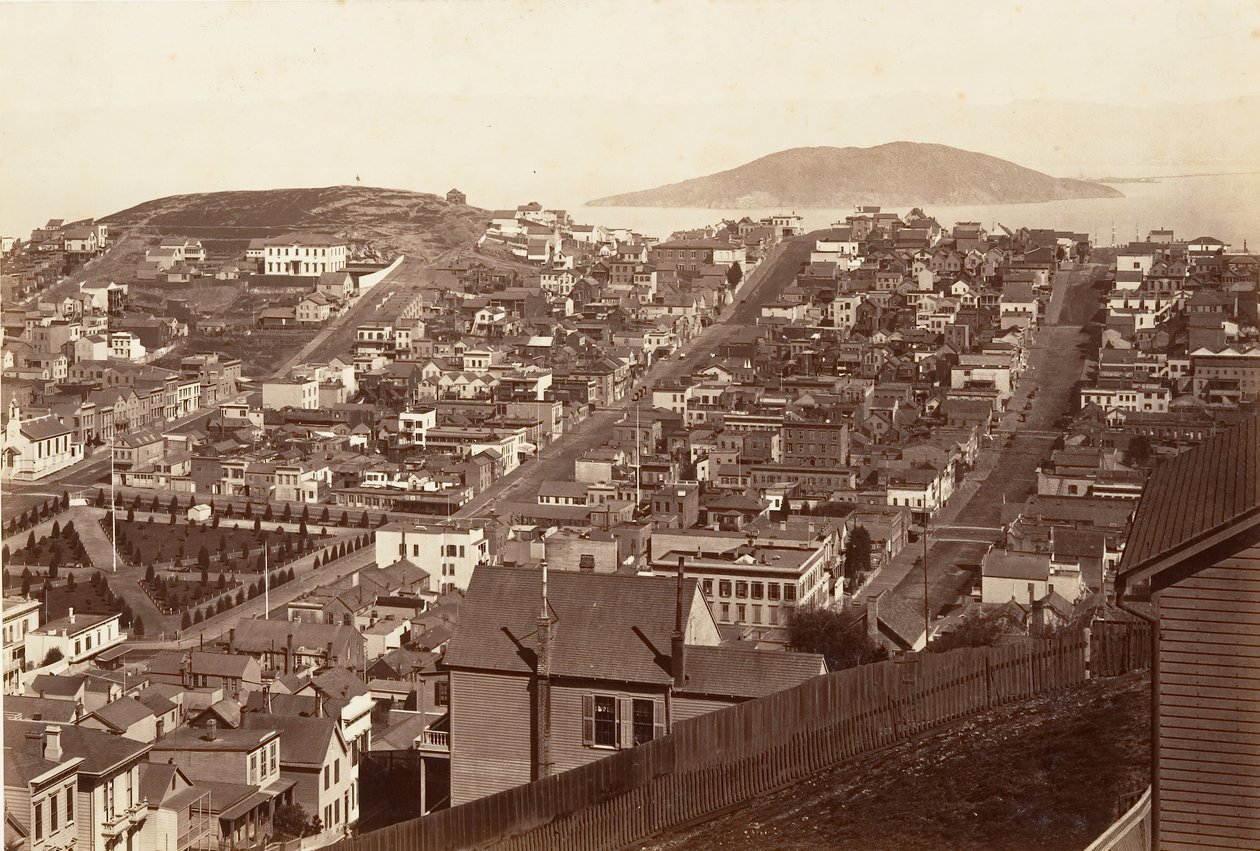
345, 519
54, 654
137, 626
185, 621
842, 641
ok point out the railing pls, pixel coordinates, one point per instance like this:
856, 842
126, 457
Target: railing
115, 826
436, 739
1131, 832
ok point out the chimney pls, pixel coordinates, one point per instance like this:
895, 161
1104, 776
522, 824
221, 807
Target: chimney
872, 615
678, 642
319, 703
71, 615
328, 654
288, 655
52, 743
1032, 593
542, 685
232, 640
212, 729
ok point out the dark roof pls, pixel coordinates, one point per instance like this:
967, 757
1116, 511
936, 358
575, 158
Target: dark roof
303, 741
39, 708
100, 750
120, 714
605, 626
1196, 494
746, 672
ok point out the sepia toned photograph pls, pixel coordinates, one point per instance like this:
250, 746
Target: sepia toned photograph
660, 425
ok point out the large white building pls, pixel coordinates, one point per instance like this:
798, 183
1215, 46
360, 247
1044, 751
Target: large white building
36, 447
21, 616
448, 551
304, 255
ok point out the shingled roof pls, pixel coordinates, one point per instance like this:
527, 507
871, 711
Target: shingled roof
605, 627
1195, 497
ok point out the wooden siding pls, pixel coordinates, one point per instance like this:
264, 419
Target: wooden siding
1209, 707
685, 708
567, 749
491, 748
721, 759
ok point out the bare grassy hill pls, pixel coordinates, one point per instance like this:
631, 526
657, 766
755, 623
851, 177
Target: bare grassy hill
390, 220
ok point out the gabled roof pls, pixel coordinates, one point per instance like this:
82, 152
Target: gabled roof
122, 713
303, 741
100, 750
745, 672
1196, 497
605, 626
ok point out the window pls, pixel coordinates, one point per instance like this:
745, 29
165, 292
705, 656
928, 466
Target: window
337, 771
645, 719
69, 805
600, 721
789, 593
39, 820
741, 612
253, 768
726, 612
708, 587
724, 587
275, 753
756, 590
741, 590
442, 694
52, 813
327, 776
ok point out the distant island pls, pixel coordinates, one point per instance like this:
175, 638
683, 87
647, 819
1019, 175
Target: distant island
895, 174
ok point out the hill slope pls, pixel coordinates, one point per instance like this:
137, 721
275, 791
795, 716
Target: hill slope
1046, 774
896, 174
415, 223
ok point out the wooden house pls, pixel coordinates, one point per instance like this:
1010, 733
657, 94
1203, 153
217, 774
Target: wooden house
1195, 543
548, 676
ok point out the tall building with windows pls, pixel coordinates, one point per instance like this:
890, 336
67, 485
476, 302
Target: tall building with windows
304, 255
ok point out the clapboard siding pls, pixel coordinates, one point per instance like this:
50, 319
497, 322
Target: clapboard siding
481, 763
567, 748
1209, 707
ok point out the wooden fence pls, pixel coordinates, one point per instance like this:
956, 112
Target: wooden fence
1117, 646
724, 758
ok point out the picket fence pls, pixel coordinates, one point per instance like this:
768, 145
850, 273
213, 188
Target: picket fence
719, 760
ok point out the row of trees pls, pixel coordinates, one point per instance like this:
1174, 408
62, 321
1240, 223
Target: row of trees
37, 514
228, 601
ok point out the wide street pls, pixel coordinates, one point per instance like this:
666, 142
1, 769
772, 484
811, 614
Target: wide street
1007, 471
555, 462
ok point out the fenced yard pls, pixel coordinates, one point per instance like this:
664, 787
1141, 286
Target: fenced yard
717, 761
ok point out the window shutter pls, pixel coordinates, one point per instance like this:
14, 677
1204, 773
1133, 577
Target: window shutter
658, 719
588, 719
625, 722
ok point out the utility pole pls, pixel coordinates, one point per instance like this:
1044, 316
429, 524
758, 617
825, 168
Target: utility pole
927, 612
113, 508
267, 582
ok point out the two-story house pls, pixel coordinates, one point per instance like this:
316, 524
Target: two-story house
550, 674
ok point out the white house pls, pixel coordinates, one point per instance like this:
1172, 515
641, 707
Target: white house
449, 550
304, 254
76, 637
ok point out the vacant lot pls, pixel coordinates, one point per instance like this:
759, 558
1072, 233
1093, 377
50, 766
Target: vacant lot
1046, 773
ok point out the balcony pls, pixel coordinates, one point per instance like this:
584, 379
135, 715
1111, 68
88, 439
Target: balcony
138, 813
116, 825
434, 741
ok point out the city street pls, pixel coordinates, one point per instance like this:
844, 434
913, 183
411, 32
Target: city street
1007, 472
556, 461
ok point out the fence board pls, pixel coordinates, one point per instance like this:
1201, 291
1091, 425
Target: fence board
726, 757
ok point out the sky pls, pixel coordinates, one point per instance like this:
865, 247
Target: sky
108, 104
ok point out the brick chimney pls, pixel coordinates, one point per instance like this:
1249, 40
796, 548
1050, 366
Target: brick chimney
52, 743
212, 729
542, 686
678, 642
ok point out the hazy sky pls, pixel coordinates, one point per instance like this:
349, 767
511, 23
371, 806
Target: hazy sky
109, 103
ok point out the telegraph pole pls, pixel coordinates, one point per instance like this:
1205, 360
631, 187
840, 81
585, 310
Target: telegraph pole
927, 612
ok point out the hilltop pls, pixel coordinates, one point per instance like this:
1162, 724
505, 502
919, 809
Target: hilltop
895, 174
393, 220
